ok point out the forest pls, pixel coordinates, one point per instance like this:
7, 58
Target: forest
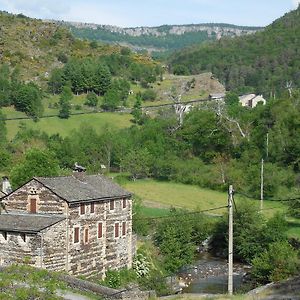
266, 62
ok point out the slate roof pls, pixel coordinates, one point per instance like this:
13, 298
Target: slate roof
84, 187
27, 223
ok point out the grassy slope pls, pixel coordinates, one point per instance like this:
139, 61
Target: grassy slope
164, 195
64, 127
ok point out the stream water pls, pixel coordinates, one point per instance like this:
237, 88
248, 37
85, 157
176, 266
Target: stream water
209, 275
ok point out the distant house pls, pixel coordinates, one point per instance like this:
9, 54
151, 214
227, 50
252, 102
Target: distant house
79, 224
251, 100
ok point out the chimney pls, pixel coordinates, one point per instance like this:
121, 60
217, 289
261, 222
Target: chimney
79, 172
6, 186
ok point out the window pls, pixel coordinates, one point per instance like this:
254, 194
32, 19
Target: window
112, 205
124, 228
32, 208
100, 231
23, 237
92, 207
76, 235
116, 230
86, 235
82, 209
124, 202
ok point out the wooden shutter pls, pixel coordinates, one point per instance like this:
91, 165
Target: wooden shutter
92, 207
116, 230
112, 205
76, 235
33, 206
100, 233
82, 209
124, 228
86, 235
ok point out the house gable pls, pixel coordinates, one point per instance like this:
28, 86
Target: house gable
34, 197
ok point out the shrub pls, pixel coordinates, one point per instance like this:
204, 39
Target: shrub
278, 262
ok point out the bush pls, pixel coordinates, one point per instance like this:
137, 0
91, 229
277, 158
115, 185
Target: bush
278, 262
149, 95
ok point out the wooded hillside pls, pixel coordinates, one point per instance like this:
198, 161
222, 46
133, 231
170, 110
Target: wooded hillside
265, 62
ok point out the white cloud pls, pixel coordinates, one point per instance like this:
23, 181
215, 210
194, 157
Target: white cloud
296, 3
36, 8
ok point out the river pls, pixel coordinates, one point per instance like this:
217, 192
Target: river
209, 275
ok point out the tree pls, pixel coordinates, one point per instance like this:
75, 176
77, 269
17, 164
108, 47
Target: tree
111, 100
3, 130
64, 103
35, 163
91, 99
56, 81
29, 100
137, 162
102, 79
276, 263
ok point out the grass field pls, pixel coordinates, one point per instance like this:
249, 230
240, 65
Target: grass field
162, 194
65, 126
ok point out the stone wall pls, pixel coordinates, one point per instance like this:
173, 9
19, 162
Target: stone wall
97, 255
47, 201
54, 247
19, 248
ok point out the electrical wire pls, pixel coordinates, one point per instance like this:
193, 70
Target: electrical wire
266, 199
183, 214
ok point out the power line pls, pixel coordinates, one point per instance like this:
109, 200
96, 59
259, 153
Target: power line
183, 214
268, 199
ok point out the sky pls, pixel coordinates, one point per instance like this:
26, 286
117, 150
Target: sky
133, 13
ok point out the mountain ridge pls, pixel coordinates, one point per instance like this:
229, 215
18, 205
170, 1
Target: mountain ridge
159, 38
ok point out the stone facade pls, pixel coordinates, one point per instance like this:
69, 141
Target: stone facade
92, 236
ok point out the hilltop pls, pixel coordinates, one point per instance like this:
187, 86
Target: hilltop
266, 62
37, 47
161, 38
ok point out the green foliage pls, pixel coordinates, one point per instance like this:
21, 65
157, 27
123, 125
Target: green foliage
178, 243
276, 263
149, 95
252, 234
24, 282
181, 70
139, 224
263, 61
91, 99
36, 162
111, 100
64, 103
28, 99
137, 162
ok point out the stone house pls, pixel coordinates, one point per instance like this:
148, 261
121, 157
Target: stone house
251, 100
81, 224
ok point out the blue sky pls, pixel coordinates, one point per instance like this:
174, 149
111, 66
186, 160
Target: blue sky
131, 13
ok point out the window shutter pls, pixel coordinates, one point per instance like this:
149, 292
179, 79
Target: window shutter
82, 209
76, 235
100, 234
86, 235
92, 207
112, 205
124, 228
33, 206
116, 230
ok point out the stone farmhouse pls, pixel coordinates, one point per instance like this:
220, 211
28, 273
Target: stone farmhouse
81, 224
251, 100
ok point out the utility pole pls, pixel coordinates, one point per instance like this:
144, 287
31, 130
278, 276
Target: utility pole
267, 145
262, 184
230, 241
